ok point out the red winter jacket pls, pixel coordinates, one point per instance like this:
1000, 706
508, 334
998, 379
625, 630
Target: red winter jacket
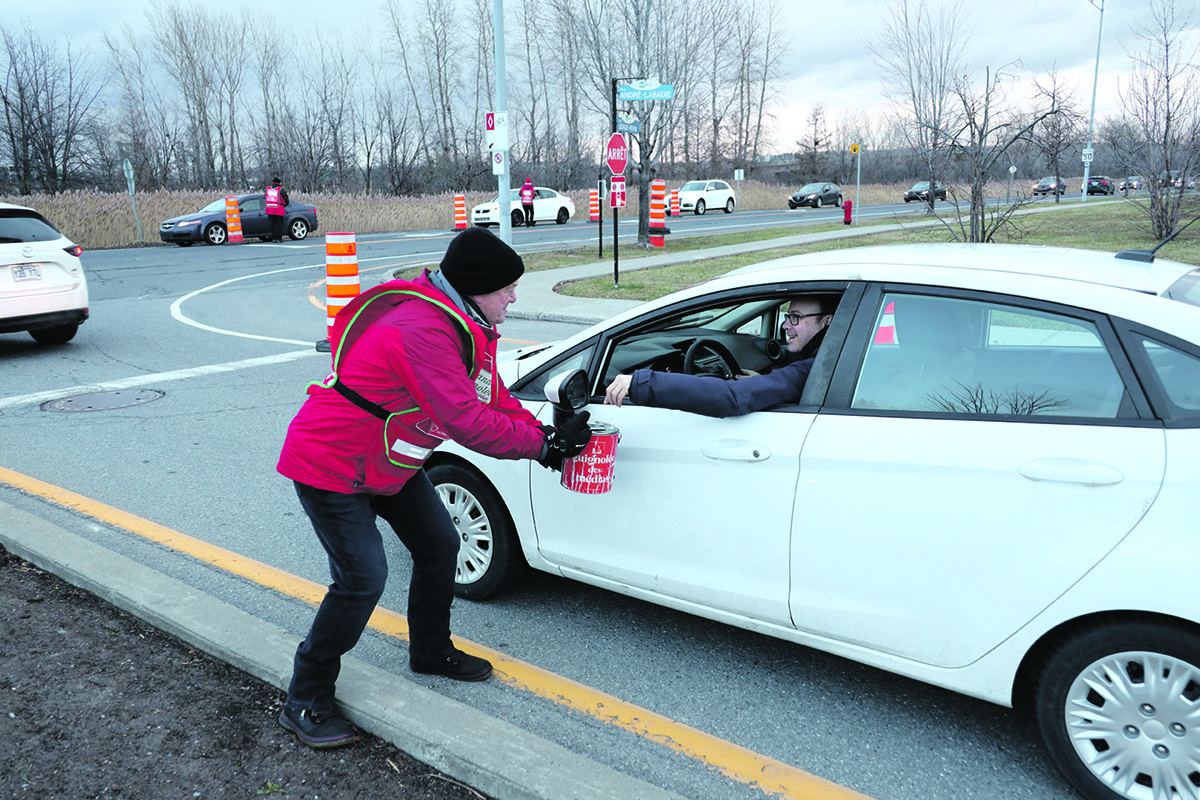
334, 445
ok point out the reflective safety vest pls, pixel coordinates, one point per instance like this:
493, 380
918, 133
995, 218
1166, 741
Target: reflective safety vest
527, 194
410, 434
275, 201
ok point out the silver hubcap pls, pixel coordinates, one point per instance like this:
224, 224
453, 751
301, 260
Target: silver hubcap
474, 532
1134, 720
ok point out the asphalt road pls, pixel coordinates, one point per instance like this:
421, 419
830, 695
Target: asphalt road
225, 335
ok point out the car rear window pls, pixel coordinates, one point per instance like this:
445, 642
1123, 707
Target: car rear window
1186, 289
21, 225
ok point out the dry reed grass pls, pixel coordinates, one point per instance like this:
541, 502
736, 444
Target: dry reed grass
100, 220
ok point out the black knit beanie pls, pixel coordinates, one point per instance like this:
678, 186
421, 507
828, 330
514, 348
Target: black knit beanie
479, 262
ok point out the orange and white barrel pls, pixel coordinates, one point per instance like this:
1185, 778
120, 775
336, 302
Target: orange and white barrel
460, 212
593, 205
233, 220
674, 202
886, 332
658, 212
341, 276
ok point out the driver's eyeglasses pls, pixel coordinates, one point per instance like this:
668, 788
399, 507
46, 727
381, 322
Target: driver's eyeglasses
794, 318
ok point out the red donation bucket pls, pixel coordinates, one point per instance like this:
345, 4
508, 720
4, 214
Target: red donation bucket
591, 472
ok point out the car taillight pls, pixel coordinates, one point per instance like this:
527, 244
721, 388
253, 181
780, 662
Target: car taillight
74, 250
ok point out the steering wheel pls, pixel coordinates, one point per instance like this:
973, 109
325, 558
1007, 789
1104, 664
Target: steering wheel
726, 365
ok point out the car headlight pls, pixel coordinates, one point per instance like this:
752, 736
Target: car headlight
187, 223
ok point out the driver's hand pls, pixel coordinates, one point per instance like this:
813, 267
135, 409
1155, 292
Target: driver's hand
746, 373
618, 390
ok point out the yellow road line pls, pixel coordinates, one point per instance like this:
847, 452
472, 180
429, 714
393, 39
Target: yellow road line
739, 763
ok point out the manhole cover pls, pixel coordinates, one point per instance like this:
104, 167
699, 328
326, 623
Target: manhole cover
102, 401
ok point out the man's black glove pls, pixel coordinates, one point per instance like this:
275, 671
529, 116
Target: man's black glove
565, 441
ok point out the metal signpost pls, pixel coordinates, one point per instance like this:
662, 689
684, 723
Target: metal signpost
856, 151
129, 182
616, 155
498, 127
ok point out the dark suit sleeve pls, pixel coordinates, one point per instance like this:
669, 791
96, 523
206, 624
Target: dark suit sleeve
714, 397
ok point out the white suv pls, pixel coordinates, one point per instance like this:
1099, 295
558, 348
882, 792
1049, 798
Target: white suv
42, 286
699, 196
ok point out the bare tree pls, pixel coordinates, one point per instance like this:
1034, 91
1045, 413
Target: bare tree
48, 102
148, 133
760, 49
1162, 99
1060, 131
920, 54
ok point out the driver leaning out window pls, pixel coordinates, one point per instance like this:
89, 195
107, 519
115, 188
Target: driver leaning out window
804, 327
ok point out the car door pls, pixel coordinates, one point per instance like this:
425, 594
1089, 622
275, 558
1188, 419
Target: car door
254, 216
975, 458
699, 513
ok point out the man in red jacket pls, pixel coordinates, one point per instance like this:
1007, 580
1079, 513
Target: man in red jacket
413, 365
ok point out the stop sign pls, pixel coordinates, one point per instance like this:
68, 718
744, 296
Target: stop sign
617, 154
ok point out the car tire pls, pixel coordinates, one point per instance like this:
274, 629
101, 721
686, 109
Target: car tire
1115, 707
59, 334
838, 202
489, 555
817, 203
215, 233
518, 219
563, 216
700, 208
729, 206
298, 230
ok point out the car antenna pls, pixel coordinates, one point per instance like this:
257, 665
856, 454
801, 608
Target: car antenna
1147, 256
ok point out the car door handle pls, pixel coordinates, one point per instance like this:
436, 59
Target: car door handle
734, 450
1070, 470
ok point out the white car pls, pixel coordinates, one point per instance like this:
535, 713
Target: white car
43, 289
991, 483
548, 206
699, 196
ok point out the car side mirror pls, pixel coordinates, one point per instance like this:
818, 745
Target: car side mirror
568, 393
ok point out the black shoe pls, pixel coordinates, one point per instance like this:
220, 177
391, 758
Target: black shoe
316, 729
455, 664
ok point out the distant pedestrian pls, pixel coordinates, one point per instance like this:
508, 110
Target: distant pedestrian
277, 201
527, 193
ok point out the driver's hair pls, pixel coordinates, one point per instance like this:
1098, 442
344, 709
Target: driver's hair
826, 303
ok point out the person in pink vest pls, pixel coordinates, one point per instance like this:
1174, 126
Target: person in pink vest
527, 192
414, 364
277, 201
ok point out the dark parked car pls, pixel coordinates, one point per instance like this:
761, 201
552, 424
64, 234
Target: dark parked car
1050, 185
1134, 182
1101, 184
920, 191
208, 224
816, 195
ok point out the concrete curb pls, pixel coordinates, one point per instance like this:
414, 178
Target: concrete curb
493, 756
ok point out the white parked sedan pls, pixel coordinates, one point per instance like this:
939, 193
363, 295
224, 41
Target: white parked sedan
991, 483
43, 289
548, 206
699, 196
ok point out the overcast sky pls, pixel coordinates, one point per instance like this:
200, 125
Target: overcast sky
827, 62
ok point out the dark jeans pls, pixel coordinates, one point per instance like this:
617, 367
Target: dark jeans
528, 213
276, 226
345, 524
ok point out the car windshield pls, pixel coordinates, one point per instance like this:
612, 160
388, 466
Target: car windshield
920, 187
20, 225
1186, 289
812, 187
215, 205
693, 186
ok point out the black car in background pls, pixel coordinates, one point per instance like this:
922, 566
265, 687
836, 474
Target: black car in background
816, 195
1101, 184
920, 191
1050, 185
208, 224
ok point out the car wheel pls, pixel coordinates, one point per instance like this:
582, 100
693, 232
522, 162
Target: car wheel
1116, 708
298, 230
215, 234
700, 208
59, 334
518, 219
729, 206
817, 203
489, 553
563, 216
838, 203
